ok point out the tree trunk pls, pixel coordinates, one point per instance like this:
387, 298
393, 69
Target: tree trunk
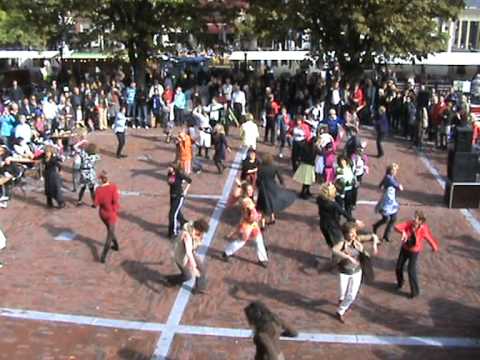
138, 59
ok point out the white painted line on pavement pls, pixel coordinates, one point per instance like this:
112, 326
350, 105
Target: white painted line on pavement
364, 339
466, 213
163, 345
189, 196
80, 320
366, 202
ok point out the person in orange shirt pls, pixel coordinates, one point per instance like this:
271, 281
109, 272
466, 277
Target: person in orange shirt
414, 233
184, 148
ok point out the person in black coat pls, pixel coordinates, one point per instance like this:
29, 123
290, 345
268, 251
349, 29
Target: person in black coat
330, 212
53, 180
221, 147
271, 197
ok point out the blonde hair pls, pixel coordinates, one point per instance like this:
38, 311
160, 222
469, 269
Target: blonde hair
249, 117
328, 191
219, 129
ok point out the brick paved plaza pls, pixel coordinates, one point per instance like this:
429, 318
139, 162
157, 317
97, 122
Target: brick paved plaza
48, 276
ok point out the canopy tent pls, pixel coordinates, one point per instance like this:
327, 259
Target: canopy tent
443, 58
27, 54
269, 55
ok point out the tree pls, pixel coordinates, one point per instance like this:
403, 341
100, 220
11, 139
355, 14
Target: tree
357, 32
15, 32
134, 23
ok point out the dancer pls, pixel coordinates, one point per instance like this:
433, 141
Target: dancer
250, 167
299, 134
248, 230
272, 199
53, 181
267, 328
221, 147
305, 173
388, 206
120, 128
184, 147
350, 253
381, 127
176, 178
107, 199
414, 233
249, 132
81, 143
330, 212
88, 176
344, 182
204, 140
185, 254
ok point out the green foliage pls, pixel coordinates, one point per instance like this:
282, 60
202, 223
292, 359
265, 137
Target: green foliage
358, 31
14, 31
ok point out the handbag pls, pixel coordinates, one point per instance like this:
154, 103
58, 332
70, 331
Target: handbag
367, 267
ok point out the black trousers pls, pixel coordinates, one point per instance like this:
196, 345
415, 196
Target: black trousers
178, 116
296, 153
219, 164
175, 216
412, 258
270, 128
82, 191
111, 237
121, 142
380, 137
386, 219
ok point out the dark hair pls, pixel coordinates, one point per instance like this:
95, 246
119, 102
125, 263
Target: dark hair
267, 159
201, 225
340, 158
258, 315
347, 227
91, 149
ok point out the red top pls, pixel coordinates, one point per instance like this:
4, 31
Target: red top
437, 113
168, 96
107, 199
359, 98
423, 233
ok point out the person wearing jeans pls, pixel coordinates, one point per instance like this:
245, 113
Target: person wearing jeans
388, 205
414, 233
107, 199
120, 127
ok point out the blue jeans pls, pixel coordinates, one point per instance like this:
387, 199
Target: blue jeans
142, 115
131, 112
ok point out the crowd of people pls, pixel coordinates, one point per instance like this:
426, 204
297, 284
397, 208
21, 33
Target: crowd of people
317, 118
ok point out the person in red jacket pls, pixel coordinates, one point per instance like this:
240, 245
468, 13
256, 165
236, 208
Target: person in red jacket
107, 200
414, 233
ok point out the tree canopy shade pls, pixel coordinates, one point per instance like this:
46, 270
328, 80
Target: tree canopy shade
133, 23
358, 31
14, 31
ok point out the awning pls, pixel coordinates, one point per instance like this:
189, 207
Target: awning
444, 58
27, 54
269, 55
87, 56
